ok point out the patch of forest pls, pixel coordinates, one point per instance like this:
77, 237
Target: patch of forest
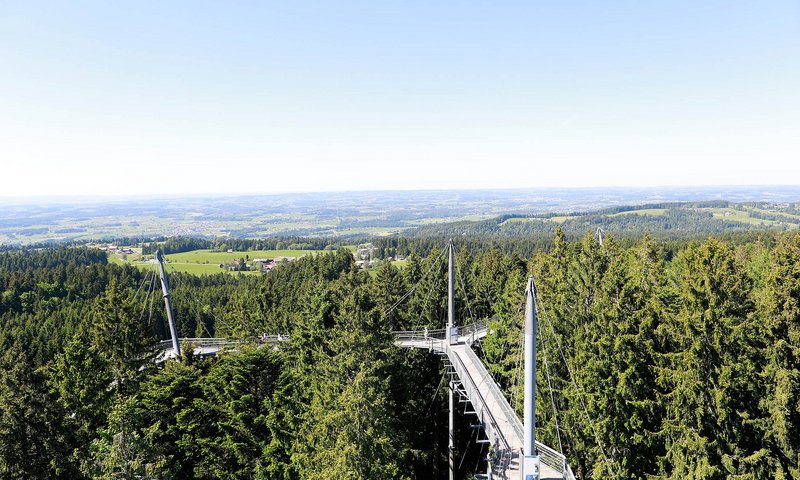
683, 220
668, 360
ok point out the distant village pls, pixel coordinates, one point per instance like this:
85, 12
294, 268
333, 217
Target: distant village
257, 264
112, 249
364, 255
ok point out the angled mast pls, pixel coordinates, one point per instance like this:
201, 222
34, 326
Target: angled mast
173, 328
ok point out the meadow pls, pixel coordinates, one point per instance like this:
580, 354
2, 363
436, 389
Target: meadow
737, 215
199, 262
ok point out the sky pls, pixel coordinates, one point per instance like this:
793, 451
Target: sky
130, 98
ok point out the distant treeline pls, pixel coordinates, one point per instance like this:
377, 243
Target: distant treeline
631, 208
177, 245
28, 259
678, 221
526, 246
275, 243
187, 244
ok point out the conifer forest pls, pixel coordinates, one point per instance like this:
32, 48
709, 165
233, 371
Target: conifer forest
660, 359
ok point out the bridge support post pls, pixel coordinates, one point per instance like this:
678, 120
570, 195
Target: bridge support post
451, 446
530, 461
451, 289
451, 315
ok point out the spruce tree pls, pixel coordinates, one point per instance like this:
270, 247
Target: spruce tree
34, 439
122, 336
711, 371
780, 312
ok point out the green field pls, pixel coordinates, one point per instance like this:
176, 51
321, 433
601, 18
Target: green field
560, 219
563, 218
729, 214
742, 216
201, 269
656, 212
210, 256
733, 215
199, 262
788, 217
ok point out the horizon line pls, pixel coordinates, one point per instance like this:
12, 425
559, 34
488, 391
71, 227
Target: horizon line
135, 196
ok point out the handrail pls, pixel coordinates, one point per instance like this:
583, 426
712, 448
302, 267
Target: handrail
474, 327
498, 396
469, 385
200, 342
439, 333
219, 342
568, 475
550, 457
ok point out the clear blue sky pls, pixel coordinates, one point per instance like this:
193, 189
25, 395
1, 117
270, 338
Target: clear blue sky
201, 97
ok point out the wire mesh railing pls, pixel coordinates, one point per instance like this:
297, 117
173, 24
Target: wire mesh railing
410, 335
476, 327
473, 329
199, 342
206, 342
550, 457
505, 453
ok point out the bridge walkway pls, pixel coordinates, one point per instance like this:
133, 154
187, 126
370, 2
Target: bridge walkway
502, 426
500, 422
204, 347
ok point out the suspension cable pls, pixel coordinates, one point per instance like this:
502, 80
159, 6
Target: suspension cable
150, 276
418, 323
504, 346
145, 276
517, 385
408, 294
552, 399
474, 432
436, 392
480, 455
197, 312
428, 296
152, 299
464, 291
580, 394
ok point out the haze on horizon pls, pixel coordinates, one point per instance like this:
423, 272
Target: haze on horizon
98, 98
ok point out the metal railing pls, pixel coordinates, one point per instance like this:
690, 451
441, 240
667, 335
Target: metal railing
550, 457
476, 327
473, 393
568, 475
199, 342
273, 338
204, 342
413, 335
440, 333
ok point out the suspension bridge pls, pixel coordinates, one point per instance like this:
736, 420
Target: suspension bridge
514, 453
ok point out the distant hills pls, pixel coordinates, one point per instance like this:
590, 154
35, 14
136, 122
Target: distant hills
666, 220
380, 213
